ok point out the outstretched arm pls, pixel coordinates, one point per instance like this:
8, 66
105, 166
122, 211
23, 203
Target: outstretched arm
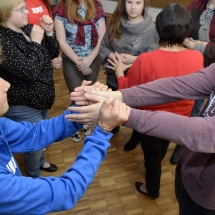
56, 194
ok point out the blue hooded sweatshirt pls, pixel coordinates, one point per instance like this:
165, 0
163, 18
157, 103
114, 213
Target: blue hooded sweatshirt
25, 195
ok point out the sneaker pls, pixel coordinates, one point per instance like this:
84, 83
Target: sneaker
76, 137
86, 130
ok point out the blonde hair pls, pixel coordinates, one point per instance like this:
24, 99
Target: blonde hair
6, 7
72, 10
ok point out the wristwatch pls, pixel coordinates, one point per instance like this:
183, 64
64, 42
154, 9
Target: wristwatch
105, 130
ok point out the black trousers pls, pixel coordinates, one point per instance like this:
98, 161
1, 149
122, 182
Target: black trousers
154, 150
186, 205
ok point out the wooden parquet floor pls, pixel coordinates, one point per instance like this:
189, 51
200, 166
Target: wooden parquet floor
112, 192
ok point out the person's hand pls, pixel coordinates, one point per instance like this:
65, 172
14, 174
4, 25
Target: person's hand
113, 113
111, 55
117, 65
96, 86
47, 24
86, 114
86, 71
84, 63
86, 94
127, 58
56, 63
79, 93
36, 34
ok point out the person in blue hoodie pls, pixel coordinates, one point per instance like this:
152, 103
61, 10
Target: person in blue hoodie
25, 195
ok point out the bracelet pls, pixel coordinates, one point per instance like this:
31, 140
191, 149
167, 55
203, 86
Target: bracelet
105, 130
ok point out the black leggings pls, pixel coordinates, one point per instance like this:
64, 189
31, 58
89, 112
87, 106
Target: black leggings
154, 150
74, 78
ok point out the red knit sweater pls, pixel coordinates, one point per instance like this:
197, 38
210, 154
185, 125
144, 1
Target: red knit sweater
161, 64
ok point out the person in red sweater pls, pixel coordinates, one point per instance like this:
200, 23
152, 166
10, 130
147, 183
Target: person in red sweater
170, 60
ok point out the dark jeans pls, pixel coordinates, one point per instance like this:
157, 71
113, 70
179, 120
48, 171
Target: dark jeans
154, 150
186, 205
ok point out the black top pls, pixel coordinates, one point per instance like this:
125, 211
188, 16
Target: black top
27, 67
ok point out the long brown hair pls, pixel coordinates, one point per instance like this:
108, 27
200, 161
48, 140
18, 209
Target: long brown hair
72, 10
119, 13
48, 6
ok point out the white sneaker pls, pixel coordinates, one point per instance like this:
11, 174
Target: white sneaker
86, 130
76, 137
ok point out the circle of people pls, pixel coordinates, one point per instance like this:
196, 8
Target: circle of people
160, 82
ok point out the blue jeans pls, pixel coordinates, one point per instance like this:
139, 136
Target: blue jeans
33, 160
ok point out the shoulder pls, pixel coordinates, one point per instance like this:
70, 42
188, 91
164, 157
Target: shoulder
195, 58
60, 10
194, 52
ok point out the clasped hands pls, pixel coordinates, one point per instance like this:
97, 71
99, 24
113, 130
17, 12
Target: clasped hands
120, 62
46, 25
97, 103
83, 65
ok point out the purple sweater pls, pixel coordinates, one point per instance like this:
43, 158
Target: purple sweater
196, 134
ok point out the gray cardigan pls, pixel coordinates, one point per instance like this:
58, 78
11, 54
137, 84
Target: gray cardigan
196, 134
136, 39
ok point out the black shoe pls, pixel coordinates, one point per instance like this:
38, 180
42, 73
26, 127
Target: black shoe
133, 142
138, 185
176, 155
51, 168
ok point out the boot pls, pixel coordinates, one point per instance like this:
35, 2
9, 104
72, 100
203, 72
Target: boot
176, 155
133, 142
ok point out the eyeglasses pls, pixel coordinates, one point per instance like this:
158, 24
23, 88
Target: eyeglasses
22, 9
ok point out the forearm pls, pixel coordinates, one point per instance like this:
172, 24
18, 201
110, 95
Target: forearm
122, 83
58, 129
101, 31
196, 133
60, 193
52, 45
195, 44
68, 51
195, 86
94, 53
